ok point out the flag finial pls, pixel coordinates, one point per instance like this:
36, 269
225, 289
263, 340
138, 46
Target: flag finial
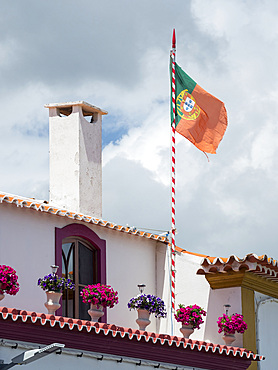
174, 39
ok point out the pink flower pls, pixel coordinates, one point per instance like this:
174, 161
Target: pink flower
190, 315
8, 280
100, 295
231, 324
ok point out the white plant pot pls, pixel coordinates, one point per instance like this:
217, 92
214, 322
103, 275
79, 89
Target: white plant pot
143, 319
52, 304
95, 312
186, 330
229, 339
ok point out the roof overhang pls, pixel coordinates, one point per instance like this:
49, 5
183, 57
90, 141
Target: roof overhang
114, 340
257, 273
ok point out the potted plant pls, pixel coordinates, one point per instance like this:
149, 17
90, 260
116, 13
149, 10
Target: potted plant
191, 318
99, 296
230, 325
145, 304
8, 281
53, 285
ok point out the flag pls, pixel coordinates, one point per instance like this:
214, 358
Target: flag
200, 117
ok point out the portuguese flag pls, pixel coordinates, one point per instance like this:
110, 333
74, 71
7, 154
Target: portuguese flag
200, 117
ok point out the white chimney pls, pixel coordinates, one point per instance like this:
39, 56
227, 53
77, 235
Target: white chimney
75, 149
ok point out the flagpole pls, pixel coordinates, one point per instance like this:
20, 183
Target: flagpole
173, 202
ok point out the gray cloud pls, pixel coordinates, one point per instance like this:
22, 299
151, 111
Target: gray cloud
115, 55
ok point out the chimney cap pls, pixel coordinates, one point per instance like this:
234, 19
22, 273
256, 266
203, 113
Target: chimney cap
65, 108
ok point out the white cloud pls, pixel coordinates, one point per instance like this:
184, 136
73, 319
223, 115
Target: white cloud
115, 56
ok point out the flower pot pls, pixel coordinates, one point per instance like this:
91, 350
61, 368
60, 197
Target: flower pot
143, 319
52, 304
186, 330
95, 312
229, 339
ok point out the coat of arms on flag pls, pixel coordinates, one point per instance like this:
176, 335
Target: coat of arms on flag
188, 104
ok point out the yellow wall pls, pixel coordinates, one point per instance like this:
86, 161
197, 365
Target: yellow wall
248, 311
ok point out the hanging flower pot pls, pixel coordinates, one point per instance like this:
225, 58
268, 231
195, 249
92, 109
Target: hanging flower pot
99, 296
191, 317
143, 319
8, 281
96, 312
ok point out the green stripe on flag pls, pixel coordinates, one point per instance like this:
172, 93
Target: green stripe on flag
183, 82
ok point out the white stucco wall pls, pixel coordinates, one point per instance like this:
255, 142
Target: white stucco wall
194, 289
190, 289
27, 244
216, 300
75, 171
130, 261
267, 327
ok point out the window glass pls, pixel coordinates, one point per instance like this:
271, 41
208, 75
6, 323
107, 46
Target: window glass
68, 273
83, 308
86, 264
68, 260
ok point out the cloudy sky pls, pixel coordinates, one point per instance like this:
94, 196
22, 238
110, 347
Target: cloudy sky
115, 55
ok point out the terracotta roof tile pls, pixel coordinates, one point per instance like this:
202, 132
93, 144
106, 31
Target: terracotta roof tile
114, 331
260, 265
42, 207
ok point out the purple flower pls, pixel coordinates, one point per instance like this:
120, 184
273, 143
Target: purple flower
151, 303
55, 283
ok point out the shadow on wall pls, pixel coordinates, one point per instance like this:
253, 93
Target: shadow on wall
217, 299
267, 327
161, 252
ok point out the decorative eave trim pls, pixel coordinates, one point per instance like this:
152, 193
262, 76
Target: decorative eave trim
258, 265
113, 331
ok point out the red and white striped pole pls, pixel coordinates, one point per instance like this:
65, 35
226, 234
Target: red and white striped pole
173, 228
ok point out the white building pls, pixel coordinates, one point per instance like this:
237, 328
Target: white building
69, 231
